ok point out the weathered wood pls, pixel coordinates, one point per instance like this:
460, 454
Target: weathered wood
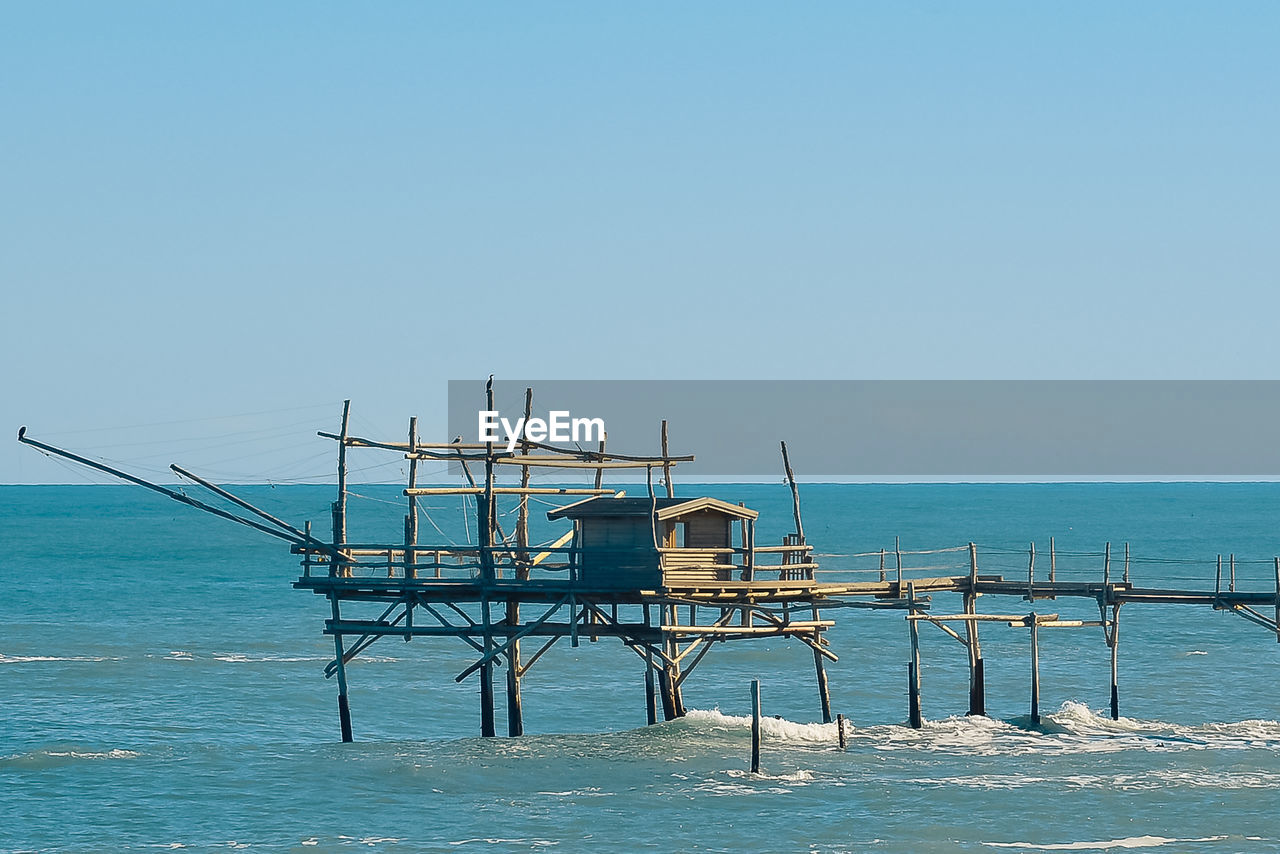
411, 518
914, 716
795, 493
666, 462
1106, 564
1053, 561
897, 551
755, 726
1031, 574
487, 727
977, 677
1231, 587
1115, 649
506, 490
604, 437
542, 462
340, 505
1035, 671
344, 708
840, 731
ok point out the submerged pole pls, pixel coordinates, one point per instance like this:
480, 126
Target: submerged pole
977, 678
1115, 647
1035, 670
914, 717
650, 698
755, 726
344, 709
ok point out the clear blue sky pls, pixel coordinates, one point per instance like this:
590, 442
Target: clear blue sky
214, 208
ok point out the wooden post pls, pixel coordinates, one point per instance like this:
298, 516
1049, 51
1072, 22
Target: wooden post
487, 728
1217, 584
650, 701
604, 437
795, 493
1232, 583
1106, 565
1053, 561
882, 576
897, 551
1278, 600
824, 692
515, 703
411, 518
340, 505
840, 731
653, 511
755, 726
666, 463
1031, 574
344, 710
1126, 563
1115, 646
1035, 670
522, 519
914, 717
307, 560
977, 678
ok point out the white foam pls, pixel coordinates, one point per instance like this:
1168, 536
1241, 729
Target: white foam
110, 754
28, 659
778, 729
1129, 842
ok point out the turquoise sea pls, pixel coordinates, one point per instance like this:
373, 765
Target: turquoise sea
161, 687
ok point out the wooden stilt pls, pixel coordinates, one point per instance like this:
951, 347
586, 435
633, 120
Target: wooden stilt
1035, 671
1115, 649
515, 703
840, 731
673, 649
1277, 619
1053, 561
487, 728
344, 709
824, 692
650, 700
755, 726
914, 716
977, 683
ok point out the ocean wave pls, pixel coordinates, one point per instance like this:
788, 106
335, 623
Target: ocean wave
1129, 843
244, 658
1074, 728
55, 758
777, 729
29, 659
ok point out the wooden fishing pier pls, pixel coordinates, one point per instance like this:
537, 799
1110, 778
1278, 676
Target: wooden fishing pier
669, 577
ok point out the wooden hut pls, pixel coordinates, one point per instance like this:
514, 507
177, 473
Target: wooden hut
642, 543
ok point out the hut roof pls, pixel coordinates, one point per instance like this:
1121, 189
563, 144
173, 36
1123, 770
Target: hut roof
667, 508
